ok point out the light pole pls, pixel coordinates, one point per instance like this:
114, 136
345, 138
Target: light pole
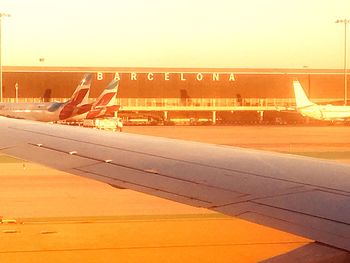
345, 22
1, 16
16, 90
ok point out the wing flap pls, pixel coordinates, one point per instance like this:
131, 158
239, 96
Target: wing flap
324, 230
316, 202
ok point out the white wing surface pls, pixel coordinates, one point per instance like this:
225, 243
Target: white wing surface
304, 196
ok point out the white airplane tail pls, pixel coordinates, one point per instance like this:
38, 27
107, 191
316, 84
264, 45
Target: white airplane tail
107, 97
105, 103
79, 97
300, 97
81, 93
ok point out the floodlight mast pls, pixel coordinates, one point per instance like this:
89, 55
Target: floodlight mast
345, 22
1, 16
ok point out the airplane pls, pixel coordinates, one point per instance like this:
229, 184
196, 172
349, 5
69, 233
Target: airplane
49, 111
319, 112
305, 196
104, 106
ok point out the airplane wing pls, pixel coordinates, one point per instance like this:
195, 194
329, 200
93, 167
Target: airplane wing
305, 196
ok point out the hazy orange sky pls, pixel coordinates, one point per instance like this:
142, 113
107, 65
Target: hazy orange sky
181, 33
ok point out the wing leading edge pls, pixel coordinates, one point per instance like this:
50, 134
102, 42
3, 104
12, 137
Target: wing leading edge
304, 196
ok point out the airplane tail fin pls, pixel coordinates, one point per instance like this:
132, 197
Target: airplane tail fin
300, 97
79, 97
107, 97
81, 93
105, 103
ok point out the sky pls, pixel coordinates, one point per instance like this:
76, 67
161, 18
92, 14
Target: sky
169, 33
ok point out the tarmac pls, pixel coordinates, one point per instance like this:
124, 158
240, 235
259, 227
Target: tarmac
52, 216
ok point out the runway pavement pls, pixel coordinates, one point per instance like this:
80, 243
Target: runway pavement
51, 216
329, 142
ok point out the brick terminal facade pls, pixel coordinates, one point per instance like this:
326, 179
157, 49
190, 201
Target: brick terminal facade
60, 82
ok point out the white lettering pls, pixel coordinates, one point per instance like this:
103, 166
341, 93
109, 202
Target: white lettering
166, 76
215, 76
182, 77
232, 77
199, 76
133, 76
116, 76
150, 76
99, 76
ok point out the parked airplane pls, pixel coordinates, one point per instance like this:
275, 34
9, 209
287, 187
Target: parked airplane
319, 112
104, 106
49, 111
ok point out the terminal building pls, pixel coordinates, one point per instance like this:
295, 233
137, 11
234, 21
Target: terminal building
179, 86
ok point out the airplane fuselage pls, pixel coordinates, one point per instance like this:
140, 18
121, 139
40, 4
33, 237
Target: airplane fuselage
49, 111
326, 112
43, 111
